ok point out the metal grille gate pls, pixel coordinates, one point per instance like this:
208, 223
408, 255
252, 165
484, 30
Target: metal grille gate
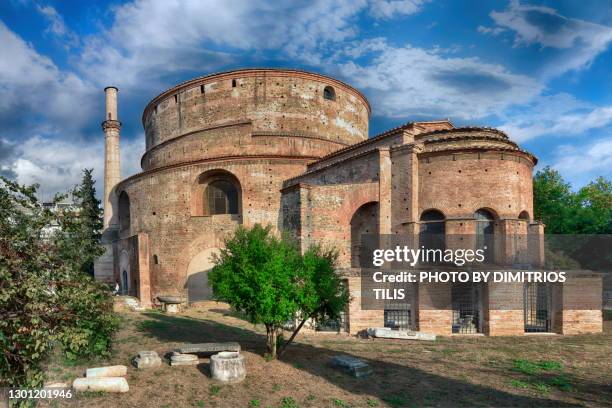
537, 308
398, 319
466, 308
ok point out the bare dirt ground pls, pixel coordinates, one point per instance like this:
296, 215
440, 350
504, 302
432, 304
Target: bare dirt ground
530, 371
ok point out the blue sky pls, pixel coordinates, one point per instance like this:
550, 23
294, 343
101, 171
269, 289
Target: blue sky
540, 70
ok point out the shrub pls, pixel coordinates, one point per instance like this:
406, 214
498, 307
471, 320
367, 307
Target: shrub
44, 296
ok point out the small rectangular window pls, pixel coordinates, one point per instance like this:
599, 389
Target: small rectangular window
201, 88
233, 83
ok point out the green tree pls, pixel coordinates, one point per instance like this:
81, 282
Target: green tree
81, 227
44, 295
267, 278
323, 295
90, 222
588, 211
256, 274
553, 201
595, 215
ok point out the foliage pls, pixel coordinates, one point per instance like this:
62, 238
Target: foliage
323, 295
79, 241
268, 279
588, 211
574, 221
44, 296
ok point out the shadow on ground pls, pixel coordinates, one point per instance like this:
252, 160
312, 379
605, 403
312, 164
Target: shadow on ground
415, 387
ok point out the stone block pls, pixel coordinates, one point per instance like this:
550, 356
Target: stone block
110, 371
228, 366
105, 384
386, 333
208, 348
147, 359
352, 366
178, 359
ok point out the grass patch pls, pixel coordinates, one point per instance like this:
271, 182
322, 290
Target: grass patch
254, 403
214, 390
340, 403
396, 401
561, 382
370, 402
538, 375
519, 384
528, 367
288, 402
542, 388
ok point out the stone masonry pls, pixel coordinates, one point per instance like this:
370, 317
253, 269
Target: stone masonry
290, 149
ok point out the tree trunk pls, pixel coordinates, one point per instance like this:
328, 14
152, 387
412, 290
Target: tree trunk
271, 340
295, 332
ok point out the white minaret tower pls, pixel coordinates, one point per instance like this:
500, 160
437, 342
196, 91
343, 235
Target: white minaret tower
112, 159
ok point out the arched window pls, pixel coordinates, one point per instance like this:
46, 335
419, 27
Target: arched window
485, 233
329, 93
124, 211
364, 228
221, 197
432, 232
524, 215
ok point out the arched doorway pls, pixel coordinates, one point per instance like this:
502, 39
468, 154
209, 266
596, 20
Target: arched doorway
124, 270
197, 276
125, 283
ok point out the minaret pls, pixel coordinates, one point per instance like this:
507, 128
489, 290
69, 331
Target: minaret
112, 161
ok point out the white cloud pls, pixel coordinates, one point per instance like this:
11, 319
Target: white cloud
385, 9
149, 40
32, 83
408, 81
57, 26
582, 164
490, 30
578, 42
57, 164
559, 115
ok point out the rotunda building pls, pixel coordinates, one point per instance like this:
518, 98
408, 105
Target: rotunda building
290, 149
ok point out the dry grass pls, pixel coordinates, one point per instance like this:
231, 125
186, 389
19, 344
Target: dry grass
453, 371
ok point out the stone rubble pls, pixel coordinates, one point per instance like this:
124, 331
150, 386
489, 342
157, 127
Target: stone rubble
105, 384
110, 371
387, 333
179, 359
147, 359
352, 366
